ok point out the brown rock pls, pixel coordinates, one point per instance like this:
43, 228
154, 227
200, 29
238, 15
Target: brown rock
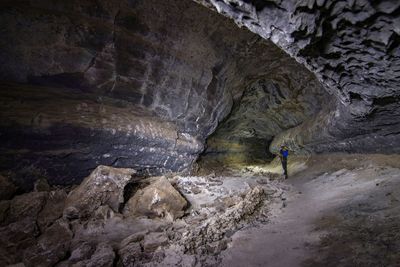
16, 237
53, 209
27, 205
51, 247
159, 199
7, 188
104, 186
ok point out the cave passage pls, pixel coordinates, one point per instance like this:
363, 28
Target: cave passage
146, 133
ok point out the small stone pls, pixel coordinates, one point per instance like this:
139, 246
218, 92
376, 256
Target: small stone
136, 237
195, 190
103, 257
153, 241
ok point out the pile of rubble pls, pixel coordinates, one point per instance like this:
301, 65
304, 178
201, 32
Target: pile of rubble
165, 221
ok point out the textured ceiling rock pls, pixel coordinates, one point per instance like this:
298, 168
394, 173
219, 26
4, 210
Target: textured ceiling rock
353, 48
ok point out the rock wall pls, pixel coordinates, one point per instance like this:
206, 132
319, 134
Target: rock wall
353, 48
123, 83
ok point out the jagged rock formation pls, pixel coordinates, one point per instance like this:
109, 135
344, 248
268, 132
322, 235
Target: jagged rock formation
353, 48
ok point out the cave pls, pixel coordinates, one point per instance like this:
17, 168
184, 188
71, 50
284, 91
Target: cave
153, 133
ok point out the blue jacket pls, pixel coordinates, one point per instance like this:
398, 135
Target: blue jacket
284, 153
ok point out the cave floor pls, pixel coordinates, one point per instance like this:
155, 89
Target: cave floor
341, 210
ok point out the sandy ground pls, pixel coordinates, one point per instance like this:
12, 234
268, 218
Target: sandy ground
342, 210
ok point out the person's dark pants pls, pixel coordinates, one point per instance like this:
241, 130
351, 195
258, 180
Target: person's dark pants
284, 166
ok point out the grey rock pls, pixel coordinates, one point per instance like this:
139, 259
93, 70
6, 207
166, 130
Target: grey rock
152, 241
136, 237
102, 257
82, 251
130, 254
212, 230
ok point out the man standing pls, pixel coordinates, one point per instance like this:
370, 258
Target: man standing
283, 154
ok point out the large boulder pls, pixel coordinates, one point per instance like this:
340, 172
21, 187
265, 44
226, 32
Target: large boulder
104, 186
7, 188
159, 199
